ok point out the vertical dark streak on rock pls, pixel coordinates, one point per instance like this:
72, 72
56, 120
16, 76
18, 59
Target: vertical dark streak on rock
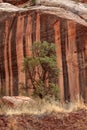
64, 40
24, 44
47, 30
24, 36
2, 64
33, 27
81, 58
11, 23
7, 47
14, 58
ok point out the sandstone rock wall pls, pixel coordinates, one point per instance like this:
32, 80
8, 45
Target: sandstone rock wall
18, 30
12, 50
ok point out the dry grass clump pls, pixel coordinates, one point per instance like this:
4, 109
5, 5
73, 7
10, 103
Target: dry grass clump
43, 106
77, 104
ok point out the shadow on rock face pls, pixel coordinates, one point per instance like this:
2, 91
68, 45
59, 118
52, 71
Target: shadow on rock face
15, 2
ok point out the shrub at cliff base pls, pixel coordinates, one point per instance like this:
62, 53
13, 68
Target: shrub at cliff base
41, 71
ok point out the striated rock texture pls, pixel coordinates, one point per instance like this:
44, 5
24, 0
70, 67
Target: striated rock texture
19, 28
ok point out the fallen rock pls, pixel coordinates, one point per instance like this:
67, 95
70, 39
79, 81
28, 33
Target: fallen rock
14, 101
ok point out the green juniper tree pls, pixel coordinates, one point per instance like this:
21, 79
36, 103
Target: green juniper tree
41, 69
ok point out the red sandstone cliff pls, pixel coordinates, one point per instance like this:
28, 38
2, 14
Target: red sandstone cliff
20, 27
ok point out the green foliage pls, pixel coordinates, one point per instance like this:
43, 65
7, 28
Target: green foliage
41, 69
3, 91
33, 1
54, 91
25, 6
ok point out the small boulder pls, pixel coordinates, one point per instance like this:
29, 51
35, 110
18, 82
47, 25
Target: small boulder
14, 101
